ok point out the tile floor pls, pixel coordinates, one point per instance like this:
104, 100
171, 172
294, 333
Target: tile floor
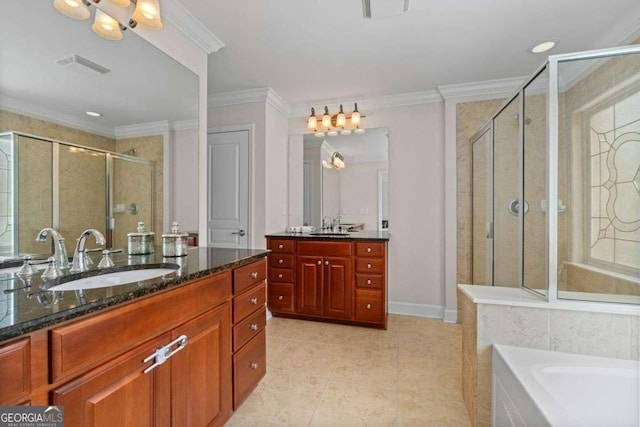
320, 374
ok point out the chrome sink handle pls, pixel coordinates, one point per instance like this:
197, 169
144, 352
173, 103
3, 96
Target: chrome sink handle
79, 255
106, 260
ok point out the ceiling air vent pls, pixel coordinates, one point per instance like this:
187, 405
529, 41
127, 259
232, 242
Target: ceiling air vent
81, 65
384, 8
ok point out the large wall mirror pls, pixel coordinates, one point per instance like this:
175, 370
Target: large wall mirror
60, 167
346, 177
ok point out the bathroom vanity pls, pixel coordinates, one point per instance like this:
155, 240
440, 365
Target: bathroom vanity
333, 277
182, 350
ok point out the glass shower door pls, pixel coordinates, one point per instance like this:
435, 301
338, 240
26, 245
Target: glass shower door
482, 203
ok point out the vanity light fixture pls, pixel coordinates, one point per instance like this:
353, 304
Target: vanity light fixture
337, 160
146, 13
334, 123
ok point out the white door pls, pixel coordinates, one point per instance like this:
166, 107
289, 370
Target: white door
228, 187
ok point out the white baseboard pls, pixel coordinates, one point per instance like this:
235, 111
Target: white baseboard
450, 316
420, 310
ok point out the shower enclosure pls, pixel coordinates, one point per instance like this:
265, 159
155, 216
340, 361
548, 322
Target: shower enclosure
556, 181
49, 183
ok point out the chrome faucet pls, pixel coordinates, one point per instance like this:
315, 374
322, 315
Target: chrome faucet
60, 252
80, 255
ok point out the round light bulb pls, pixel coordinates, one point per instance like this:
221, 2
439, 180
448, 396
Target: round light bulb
72, 8
341, 119
106, 27
355, 118
326, 120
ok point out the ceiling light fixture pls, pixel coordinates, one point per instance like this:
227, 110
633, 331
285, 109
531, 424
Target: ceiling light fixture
334, 123
93, 114
543, 47
146, 13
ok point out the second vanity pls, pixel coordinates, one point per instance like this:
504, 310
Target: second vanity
332, 277
182, 350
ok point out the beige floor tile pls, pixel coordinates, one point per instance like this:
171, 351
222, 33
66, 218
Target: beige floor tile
416, 409
370, 368
344, 404
436, 378
309, 358
437, 345
291, 328
275, 345
283, 398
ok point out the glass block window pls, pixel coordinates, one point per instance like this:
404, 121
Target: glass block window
614, 179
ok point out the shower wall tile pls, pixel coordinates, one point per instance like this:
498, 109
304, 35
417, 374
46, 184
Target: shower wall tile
595, 334
635, 338
508, 325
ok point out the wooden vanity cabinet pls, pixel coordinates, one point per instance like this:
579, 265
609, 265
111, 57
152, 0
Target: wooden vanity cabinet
343, 281
15, 372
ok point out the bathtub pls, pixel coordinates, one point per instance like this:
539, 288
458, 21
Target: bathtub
546, 388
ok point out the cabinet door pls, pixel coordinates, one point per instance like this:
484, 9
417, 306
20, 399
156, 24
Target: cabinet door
119, 393
309, 285
338, 287
201, 372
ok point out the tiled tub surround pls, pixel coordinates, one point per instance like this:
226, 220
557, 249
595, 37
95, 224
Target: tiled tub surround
509, 316
23, 310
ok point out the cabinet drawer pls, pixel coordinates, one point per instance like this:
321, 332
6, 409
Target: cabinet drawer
248, 302
15, 372
281, 297
324, 248
369, 306
281, 246
249, 275
281, 260
369, 249
281, 275
249, 328
370, 265
85, 343
370, 281
249, 366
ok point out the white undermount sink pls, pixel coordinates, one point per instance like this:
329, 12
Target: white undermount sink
113, 279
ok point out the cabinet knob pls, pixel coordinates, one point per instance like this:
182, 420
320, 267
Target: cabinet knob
368, 265
254, 326
280, 246
368, 250
253, 365
326, 263
280, 261
280, 276
254, 275
253, 301
368, 281
280, 298
368, 306
319, 262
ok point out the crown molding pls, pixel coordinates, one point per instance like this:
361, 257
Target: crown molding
35, 111
188, 24
377, 103
239, 97
142, 129
185, 125
488, 89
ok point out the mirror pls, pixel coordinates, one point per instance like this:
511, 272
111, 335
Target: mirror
48, 81
357, 192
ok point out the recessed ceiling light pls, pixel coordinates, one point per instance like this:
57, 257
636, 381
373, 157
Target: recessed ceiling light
543, 47
93, 114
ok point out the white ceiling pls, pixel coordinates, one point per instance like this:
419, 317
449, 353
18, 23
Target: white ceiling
144, 84
313, 50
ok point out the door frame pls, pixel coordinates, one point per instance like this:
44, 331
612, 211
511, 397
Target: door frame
250, 127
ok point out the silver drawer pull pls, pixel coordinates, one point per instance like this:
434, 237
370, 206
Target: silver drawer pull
368, 306
163, 353
280, 276
368, 250
254, 326
280, 298
319, 262
280, 246
254, 275
253, 301
280, 261
253, 365
368, 281
368, 265
326, 263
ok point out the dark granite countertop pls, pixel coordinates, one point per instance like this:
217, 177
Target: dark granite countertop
26, 309
358, 235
